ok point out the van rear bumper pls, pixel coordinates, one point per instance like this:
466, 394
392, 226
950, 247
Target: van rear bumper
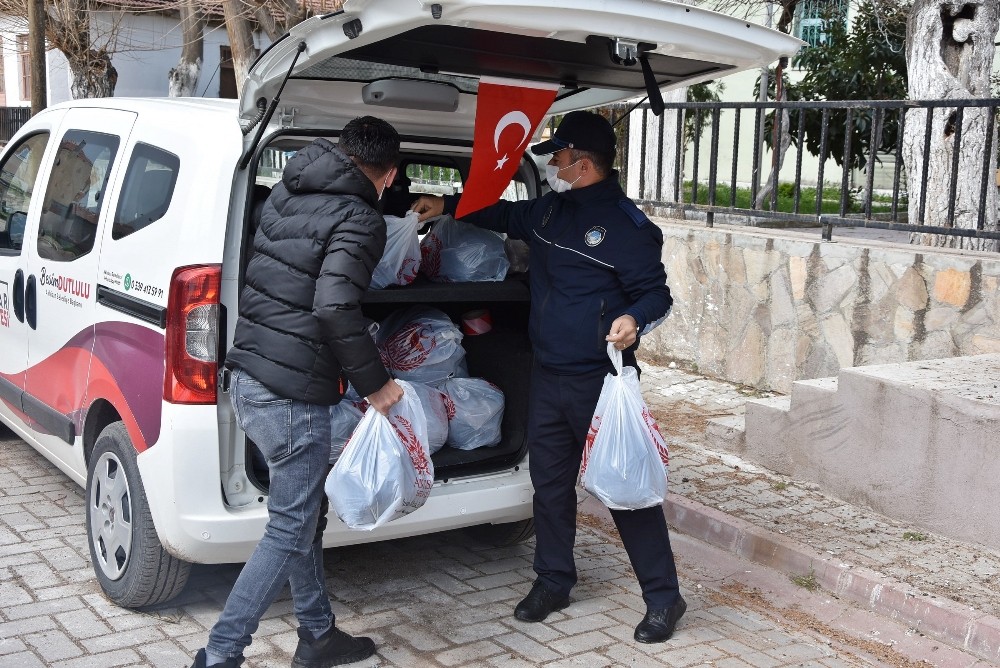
184, 491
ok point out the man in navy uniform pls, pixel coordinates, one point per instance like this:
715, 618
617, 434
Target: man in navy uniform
596, 276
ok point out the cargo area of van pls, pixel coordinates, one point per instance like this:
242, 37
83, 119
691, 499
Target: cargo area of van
501, 355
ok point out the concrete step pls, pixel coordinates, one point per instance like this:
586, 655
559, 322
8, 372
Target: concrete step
915, 441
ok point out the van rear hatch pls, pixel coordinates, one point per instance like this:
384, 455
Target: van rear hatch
595, 50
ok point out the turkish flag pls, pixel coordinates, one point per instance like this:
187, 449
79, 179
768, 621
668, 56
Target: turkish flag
507, 113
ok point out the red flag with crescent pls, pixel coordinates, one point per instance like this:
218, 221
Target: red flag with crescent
507, 113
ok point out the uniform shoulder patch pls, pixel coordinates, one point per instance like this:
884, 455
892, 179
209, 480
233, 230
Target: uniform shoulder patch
633, 212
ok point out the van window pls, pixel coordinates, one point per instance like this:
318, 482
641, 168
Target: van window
73, 198
149, 186
17, 182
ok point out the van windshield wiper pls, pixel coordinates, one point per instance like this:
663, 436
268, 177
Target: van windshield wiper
265, 116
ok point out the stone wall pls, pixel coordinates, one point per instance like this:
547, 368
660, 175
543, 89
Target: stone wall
765, 308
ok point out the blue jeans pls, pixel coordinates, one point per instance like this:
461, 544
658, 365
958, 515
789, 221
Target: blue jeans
294, 437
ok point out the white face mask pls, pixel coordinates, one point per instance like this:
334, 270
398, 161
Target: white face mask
556, 183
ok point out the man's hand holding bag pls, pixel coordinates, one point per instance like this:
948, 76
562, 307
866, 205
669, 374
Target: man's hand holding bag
625, 458
385, 471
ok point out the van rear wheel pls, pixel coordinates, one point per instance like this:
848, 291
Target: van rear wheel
133, 568
504, 535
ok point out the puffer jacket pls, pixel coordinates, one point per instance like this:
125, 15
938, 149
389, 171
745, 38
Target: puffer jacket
319, 240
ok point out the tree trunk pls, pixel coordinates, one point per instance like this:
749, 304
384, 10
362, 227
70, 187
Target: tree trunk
93, 74
949, 53
182, 80
36, 48
244, 52
778, 150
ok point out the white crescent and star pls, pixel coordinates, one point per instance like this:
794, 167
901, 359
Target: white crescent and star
510, 118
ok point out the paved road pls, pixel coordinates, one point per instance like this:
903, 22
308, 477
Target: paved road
441, 600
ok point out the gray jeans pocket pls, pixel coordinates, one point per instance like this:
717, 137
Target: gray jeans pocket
264, 416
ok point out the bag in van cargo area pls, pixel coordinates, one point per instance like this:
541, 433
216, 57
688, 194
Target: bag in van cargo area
435, 405
421, 344
625, 458
401, 260
475, 413
452, 252
344, 419
385, 471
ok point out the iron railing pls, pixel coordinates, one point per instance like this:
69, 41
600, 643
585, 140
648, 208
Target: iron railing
11, 120
872, 136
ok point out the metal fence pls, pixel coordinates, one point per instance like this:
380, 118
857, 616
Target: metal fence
846, 164
11, 120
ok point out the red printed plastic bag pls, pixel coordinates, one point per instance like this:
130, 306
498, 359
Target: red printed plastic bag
385, 471
421, 344
625, 458
401, 260
453, 252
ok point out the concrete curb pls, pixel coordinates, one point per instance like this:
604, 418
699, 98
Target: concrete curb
944, 620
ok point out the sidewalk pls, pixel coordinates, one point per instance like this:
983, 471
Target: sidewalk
938, 587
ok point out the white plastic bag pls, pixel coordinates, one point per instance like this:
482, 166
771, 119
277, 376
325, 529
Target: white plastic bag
475, 414
422, 345
625, 458
385, 471
401, 260
344, 419
434, 403
452, 252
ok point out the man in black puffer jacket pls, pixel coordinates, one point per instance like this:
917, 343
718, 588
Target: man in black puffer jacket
299, 332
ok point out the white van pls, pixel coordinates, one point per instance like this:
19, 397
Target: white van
125, 225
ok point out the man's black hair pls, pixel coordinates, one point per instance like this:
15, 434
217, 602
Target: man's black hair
603, 162
371, 142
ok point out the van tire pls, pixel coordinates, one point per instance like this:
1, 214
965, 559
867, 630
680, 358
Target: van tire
504, 535
130, 563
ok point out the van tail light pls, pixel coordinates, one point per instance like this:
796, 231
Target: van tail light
192, 338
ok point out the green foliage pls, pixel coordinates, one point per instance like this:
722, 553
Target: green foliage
807, 582
829, 200
914, 535
866, 63
694, 122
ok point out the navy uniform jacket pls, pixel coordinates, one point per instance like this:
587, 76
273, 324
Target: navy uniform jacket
594, 256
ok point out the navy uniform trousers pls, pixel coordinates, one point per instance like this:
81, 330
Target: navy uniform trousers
559, 415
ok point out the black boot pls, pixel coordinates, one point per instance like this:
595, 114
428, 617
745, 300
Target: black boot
658, 624
333, 648
539, 602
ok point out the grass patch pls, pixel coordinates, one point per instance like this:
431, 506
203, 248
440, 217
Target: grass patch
780, 486
807, 582
914, 535
829, 199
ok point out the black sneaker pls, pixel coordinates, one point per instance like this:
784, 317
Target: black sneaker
333, 648
658, 625
539, 602
200, 661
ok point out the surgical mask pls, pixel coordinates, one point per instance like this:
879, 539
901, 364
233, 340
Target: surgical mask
556, 183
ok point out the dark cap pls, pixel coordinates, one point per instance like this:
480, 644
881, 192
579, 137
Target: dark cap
582, 130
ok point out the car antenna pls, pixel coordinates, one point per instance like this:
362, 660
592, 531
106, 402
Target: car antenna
264, 117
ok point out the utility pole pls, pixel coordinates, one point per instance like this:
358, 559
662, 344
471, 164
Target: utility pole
36, 54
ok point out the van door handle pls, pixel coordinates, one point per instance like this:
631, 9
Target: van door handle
19, 295
30, 310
